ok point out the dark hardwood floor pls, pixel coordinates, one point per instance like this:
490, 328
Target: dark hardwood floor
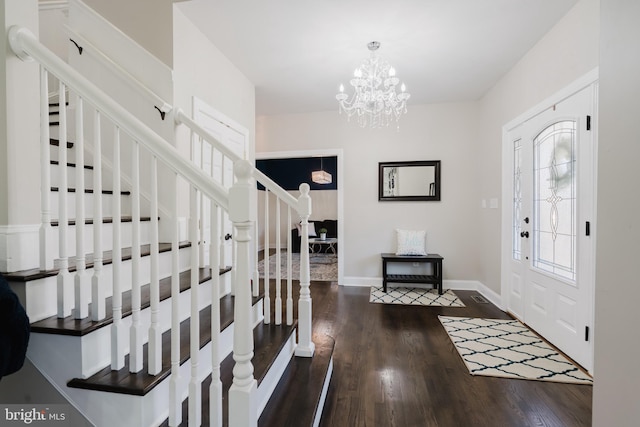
395, 366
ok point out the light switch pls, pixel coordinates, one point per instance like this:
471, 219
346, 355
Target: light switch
493, 203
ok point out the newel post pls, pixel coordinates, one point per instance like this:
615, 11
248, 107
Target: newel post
305, 346
242, 394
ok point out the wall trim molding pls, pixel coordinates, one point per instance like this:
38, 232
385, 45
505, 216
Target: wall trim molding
53, 4
19, 247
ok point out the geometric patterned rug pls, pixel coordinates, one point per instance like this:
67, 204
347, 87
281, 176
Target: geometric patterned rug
507, 348
322, 267
414, 296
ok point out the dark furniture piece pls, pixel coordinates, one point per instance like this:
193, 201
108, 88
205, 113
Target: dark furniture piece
332, 232
434, 259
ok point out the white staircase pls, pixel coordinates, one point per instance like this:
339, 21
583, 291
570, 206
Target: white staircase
130, 326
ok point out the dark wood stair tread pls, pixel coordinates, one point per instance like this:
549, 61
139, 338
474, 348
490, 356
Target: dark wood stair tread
105, 220
56, 142
107, 258
122, 381
71, 165
79, 327
90, 191
295, 400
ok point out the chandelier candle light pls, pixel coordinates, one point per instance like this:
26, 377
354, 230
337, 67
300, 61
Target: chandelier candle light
374, 100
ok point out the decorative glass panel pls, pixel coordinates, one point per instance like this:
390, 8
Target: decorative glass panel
554, 228
517, 200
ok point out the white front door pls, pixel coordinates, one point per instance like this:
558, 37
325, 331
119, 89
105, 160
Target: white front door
235, 138
550, 266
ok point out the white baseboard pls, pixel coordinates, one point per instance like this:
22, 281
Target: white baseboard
362, 281
491, 295
19, 247
461, 285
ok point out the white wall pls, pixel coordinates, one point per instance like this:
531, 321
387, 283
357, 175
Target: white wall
567, 52
617, 349
19, 145
148, 22
201, 69
435, 132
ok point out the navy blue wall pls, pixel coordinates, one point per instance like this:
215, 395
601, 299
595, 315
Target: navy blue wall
290, 173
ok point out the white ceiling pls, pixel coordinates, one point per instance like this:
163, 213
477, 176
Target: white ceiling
297, 52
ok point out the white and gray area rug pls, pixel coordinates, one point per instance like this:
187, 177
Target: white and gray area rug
507, 348
414, 296
323, 267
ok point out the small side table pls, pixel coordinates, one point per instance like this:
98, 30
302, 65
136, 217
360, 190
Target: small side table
316, 244
434, 259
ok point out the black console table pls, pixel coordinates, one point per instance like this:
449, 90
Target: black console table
434, 259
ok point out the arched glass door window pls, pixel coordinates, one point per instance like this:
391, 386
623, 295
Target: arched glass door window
555, 215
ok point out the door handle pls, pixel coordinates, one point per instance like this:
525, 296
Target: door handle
524, 234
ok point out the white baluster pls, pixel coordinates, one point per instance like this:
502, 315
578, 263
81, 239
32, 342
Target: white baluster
64, 280
117, 327
215, 389
278, 284
46, 231
195, 404
98, 309
242, 405
306, 347
175, 399
201, 208
155, 334
82, 280
256, 273
267, 297
289, 271
135, 333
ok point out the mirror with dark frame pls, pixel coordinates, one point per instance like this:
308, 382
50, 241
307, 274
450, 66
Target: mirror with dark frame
409, 181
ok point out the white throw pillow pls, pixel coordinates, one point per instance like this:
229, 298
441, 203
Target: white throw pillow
312, 229
411, 242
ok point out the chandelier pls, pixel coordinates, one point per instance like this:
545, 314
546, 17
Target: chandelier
374, 100
321, 176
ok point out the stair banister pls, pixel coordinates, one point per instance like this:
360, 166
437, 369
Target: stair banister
65, 281
242, 394
117, 327
25, 45
82, 285
305, 347
302, 205
46, 231
98, 302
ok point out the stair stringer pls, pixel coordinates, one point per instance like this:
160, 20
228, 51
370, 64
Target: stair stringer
111, 409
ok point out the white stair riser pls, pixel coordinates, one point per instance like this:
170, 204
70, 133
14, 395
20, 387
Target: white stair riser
71, 176
107, 237
41, 295
107, 205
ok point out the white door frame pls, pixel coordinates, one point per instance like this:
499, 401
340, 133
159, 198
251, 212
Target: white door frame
585, 81
328, 152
